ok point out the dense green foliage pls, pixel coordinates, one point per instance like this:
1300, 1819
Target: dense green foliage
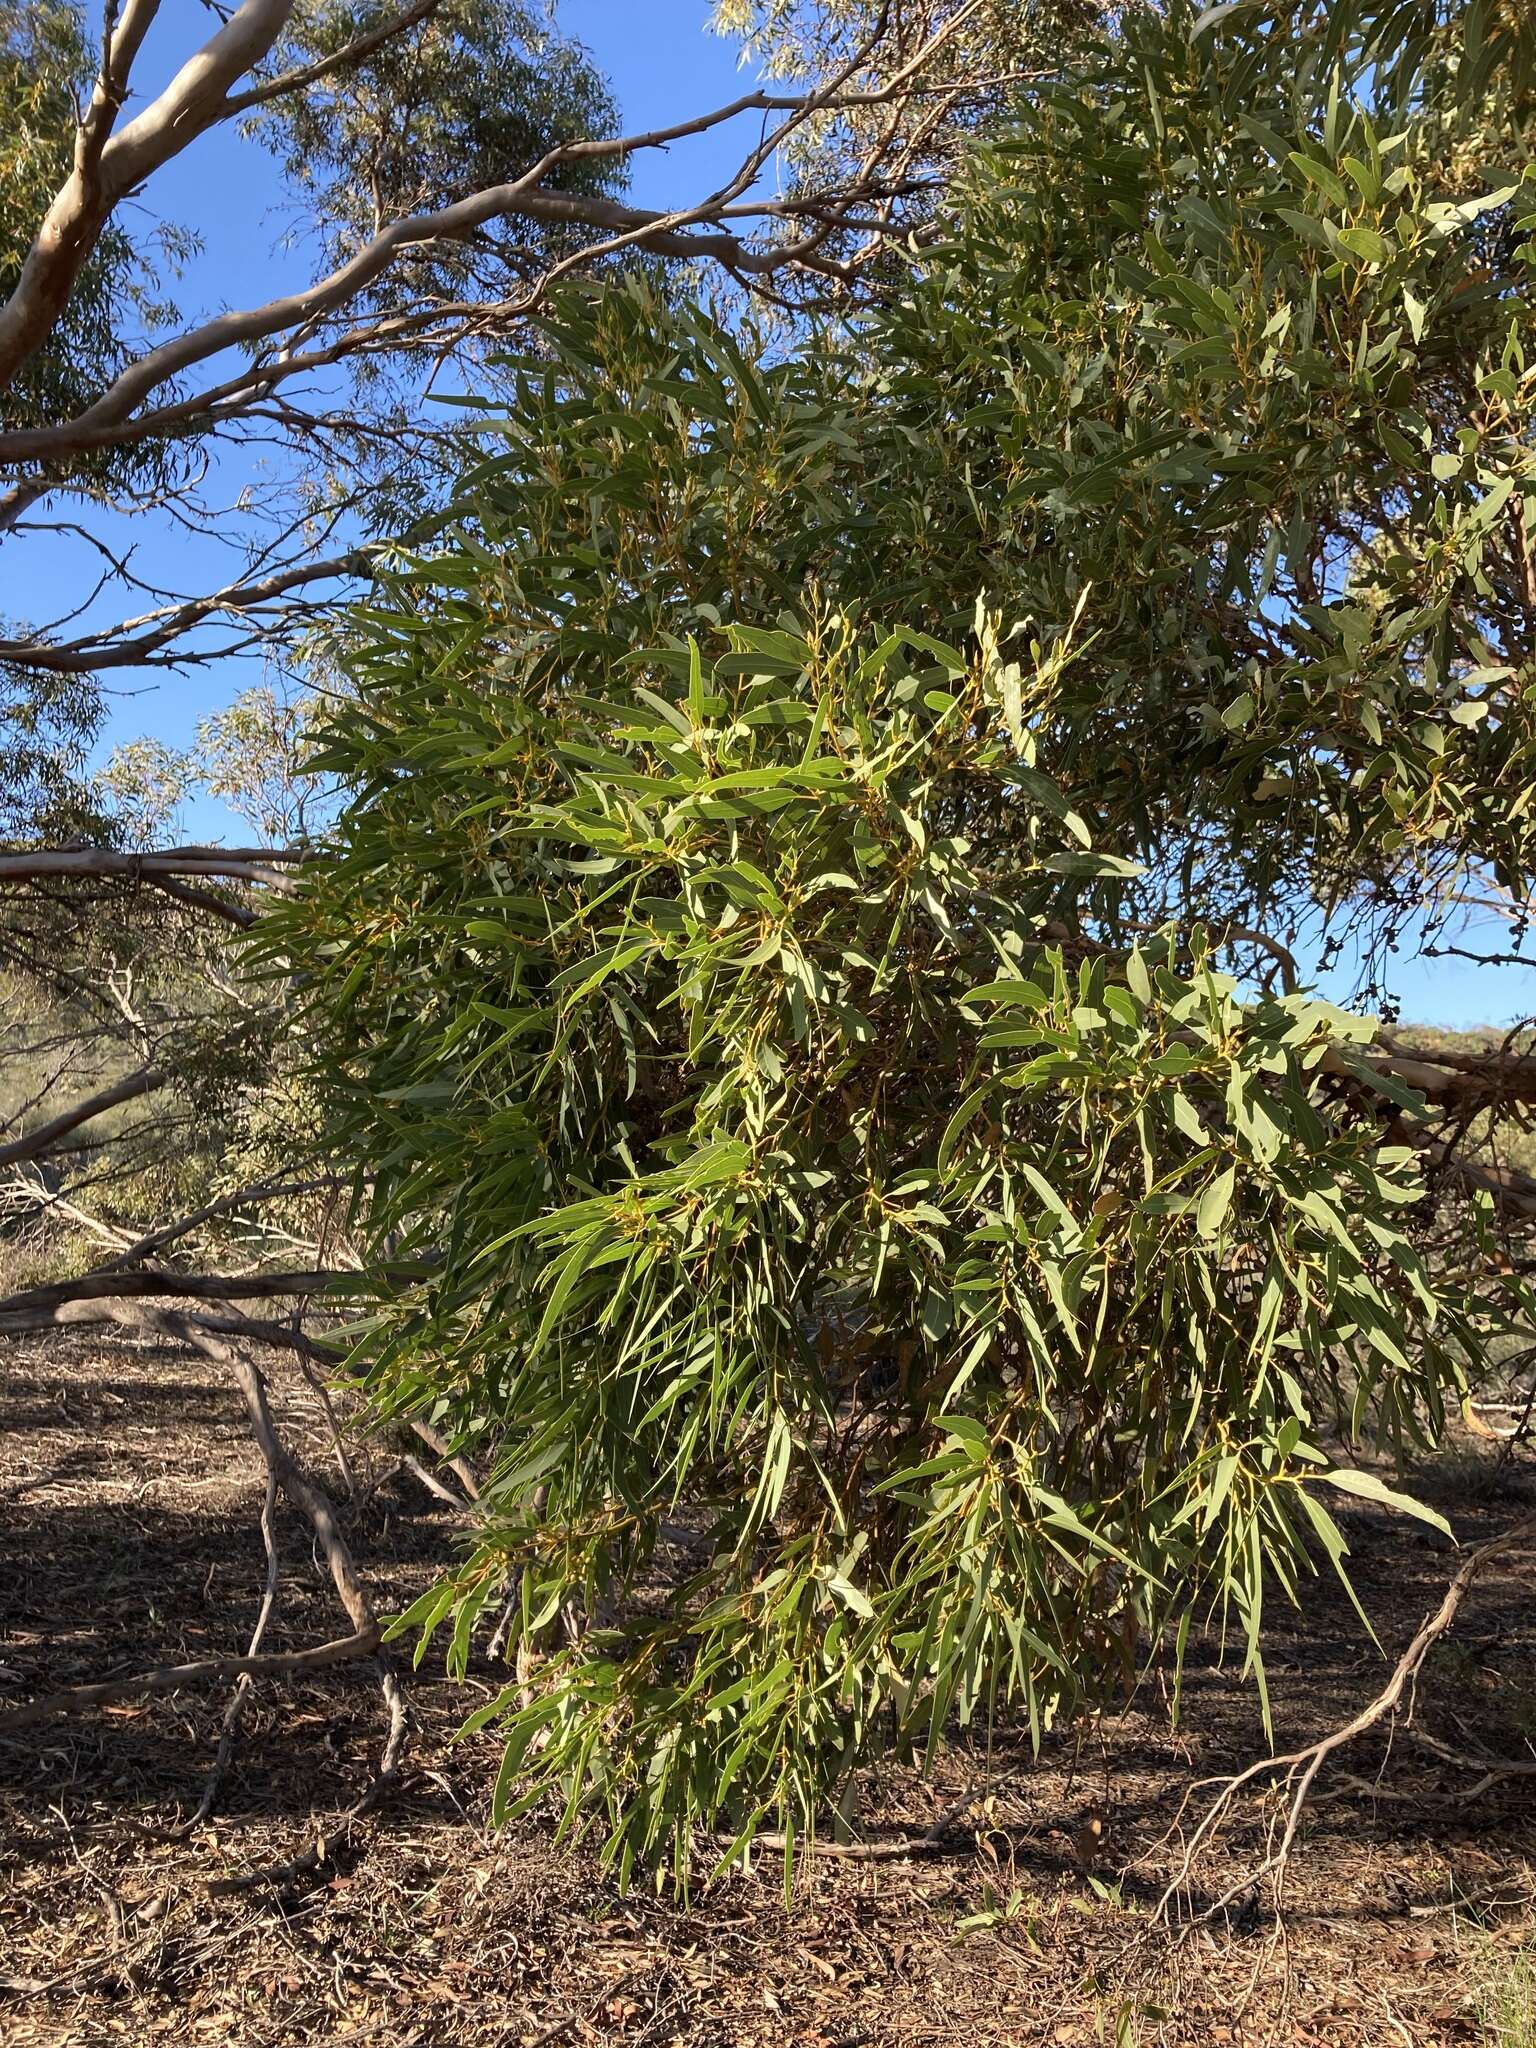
769, 969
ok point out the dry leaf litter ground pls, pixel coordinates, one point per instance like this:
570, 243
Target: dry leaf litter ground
129, 1503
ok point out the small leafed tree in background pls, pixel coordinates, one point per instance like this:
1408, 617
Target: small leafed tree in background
773, 966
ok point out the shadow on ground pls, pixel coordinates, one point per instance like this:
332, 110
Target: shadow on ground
129, 1498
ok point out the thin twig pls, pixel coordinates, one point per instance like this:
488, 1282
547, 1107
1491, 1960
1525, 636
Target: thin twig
931, 1838
383, 1783
234, 1712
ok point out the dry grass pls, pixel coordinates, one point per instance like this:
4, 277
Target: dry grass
128, 1505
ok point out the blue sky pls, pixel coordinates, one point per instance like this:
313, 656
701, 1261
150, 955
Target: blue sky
664, 65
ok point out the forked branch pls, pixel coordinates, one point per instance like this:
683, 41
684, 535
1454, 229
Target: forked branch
1299, 1768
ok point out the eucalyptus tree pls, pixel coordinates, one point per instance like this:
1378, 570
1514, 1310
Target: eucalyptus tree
773, 971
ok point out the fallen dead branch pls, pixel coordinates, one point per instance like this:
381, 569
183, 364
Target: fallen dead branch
234, 1712
154, 1283
1299, 1768
899, 1846
310, 1498
80, 1699
383, 1783
1493, 1769
313, 1501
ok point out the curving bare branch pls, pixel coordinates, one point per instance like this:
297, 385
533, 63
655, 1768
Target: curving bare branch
108, 166
1299, 1769
140, 641
49, 1135
218, 863
711, 229
259, 374
81, 1699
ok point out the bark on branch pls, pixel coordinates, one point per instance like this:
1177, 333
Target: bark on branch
81, 1699
127, 1314
35, 1143
218, 863
712, 229
152, 1283
106, 171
